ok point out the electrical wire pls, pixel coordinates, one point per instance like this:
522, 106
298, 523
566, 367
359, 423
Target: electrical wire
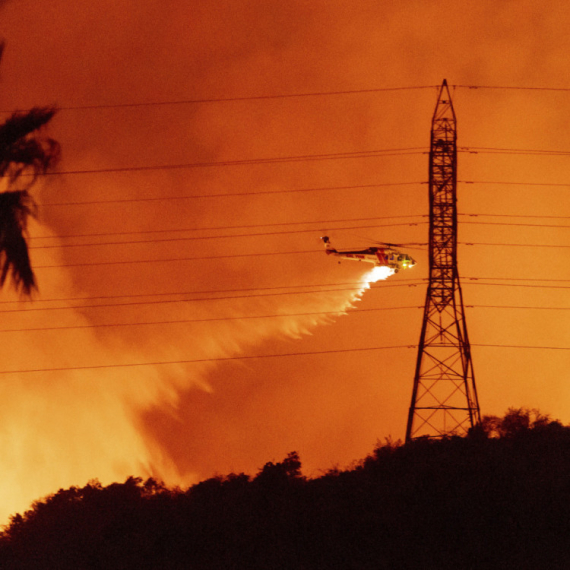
174, 259
226, 194
175, 301
284, 232
497, 150
474, 215
518, 279
516, 224
285, 191
205, 100
514, 244
241, 162
187, 321
518, 285
203, 360
177, 259
359, 287
193, 238
522, 346
217, 228
255, 357
511, 88
249, 317
357, 284
177, 102
263, 234
280, 224
174, 293
230, 99
517, 307
504, 183
302, 158
248, 293
249, 255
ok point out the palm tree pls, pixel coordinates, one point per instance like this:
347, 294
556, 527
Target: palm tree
25, 154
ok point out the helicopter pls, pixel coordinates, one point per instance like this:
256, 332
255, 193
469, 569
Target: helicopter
385, 256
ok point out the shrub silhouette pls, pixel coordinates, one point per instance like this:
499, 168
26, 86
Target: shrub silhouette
499, 498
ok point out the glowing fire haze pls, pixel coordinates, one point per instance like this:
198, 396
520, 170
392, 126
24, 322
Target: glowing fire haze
69, 423
64, 428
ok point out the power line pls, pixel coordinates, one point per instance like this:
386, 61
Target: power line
249, 317
244, 226
174, 293
496, 150
213, 228
357, 284
202, 360
209, 320
522, 346
518, 307
285, 191
287, 232
174, 301
514, 244
304, 158
516, 224
475, 215
263, 234
205, 100
175, 259
245, 255
511, 88
518, 285
227, 194
248, 293
307, 157
517, 279
254, 357
193, 238
505, 183
358, 287
280, 224
242, 162
232, 99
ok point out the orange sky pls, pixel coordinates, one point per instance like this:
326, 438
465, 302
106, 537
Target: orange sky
188, 421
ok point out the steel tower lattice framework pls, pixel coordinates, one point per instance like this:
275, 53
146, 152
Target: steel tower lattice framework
444, 396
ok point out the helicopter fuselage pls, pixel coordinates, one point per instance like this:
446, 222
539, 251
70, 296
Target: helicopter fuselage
378, 256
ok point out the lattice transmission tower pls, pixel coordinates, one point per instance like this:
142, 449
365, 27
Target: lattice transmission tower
444, 396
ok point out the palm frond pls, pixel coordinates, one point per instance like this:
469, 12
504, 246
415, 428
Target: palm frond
22, 150
15, 208
25, 153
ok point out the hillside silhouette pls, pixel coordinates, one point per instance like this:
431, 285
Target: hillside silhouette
499, 498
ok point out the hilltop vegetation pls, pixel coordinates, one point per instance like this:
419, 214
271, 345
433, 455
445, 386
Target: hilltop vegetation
499, 498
